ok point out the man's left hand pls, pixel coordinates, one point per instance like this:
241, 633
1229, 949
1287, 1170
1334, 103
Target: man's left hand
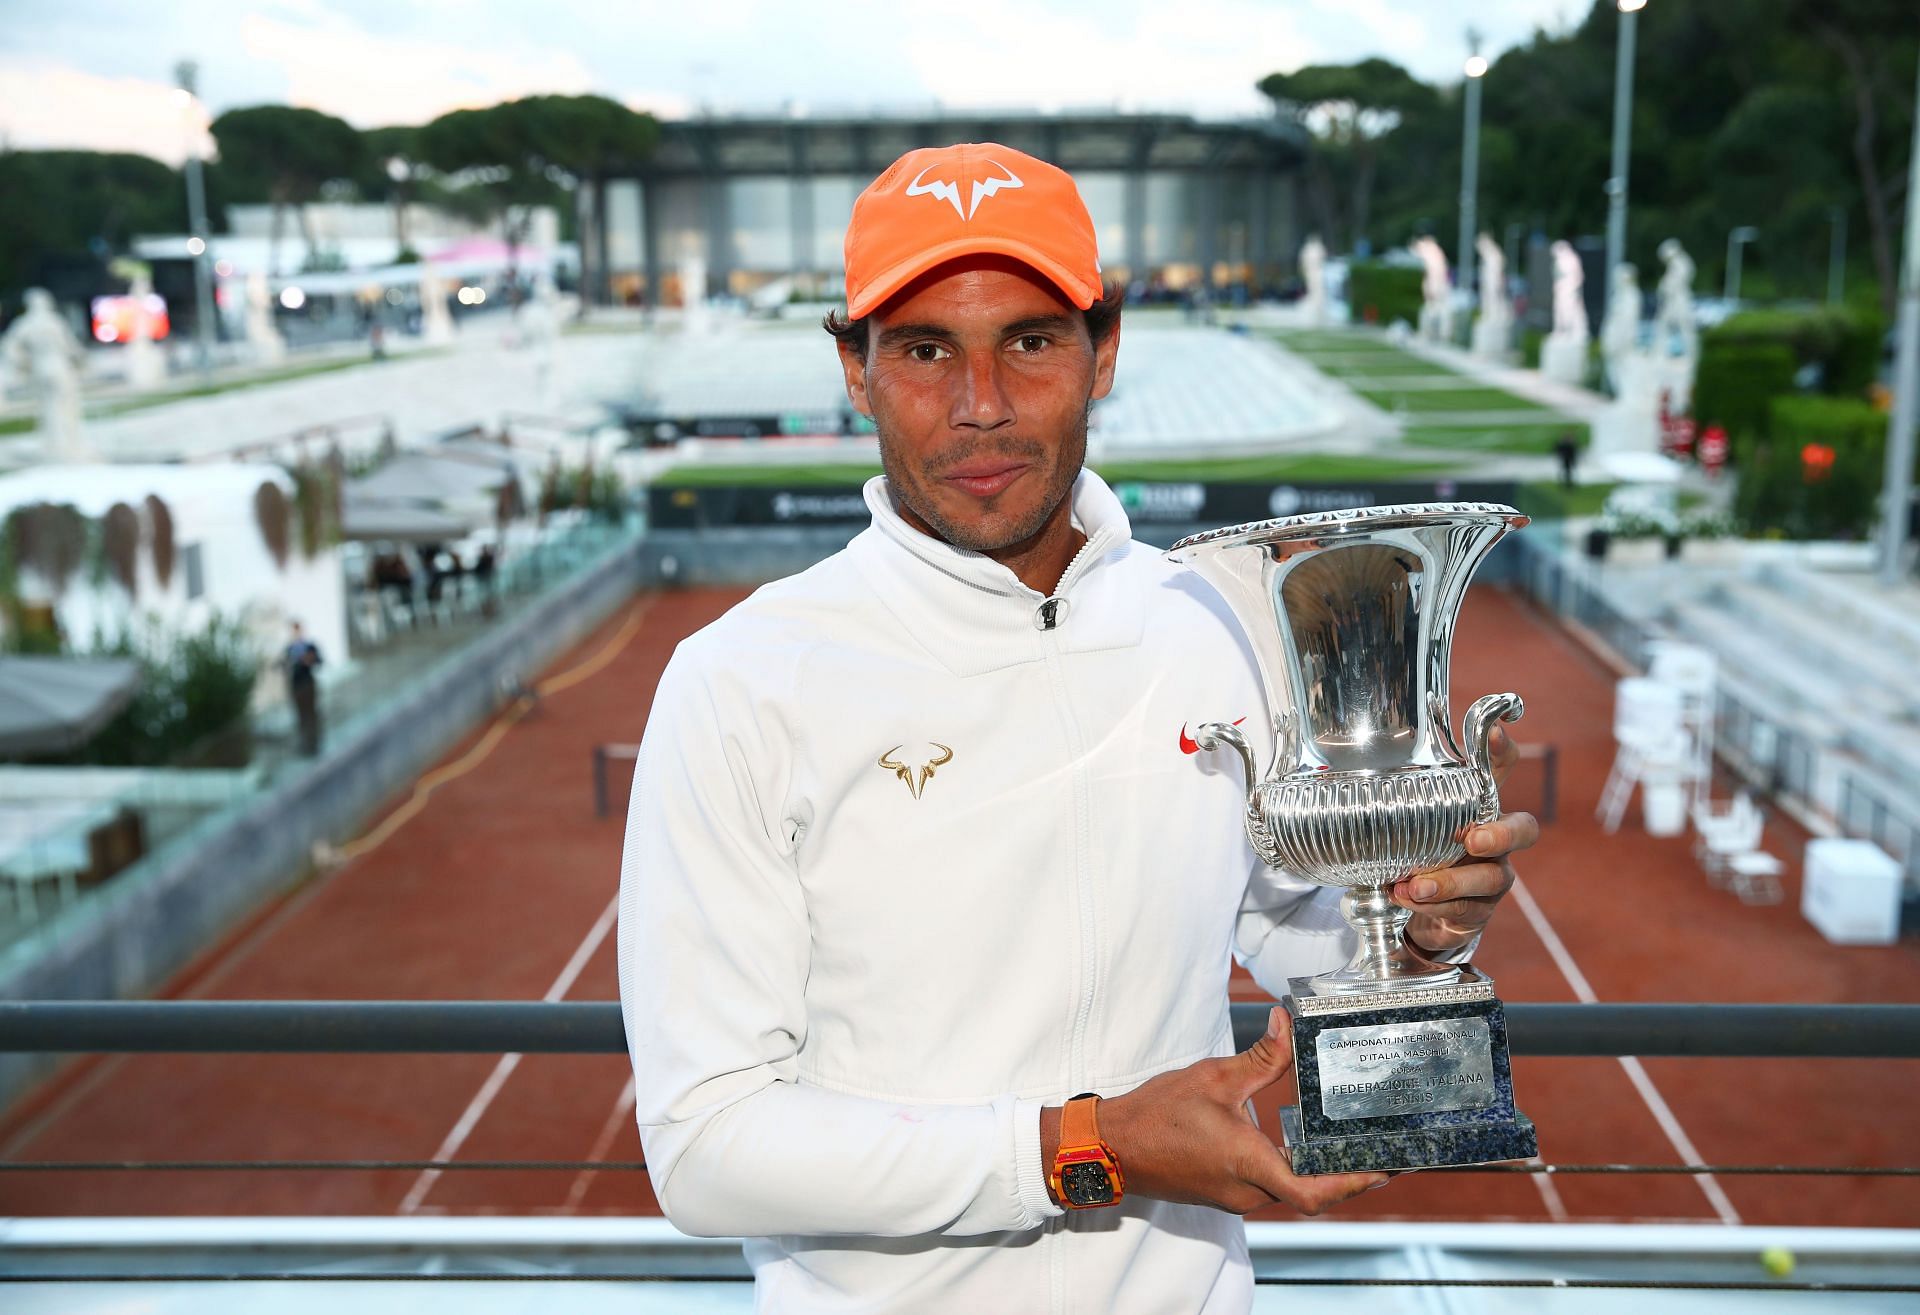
1452, 905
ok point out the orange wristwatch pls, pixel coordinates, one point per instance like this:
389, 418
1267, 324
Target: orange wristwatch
1086, 1173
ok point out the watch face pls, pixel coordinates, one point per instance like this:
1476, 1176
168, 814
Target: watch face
1086, 1183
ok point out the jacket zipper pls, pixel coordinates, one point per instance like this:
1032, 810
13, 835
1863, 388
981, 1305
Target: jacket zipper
1048, 616
1053, 608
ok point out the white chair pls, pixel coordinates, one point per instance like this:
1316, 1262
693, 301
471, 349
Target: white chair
1728, 844
1755, 877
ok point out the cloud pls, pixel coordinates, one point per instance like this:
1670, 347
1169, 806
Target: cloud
333, 64
1202, 54
93, 73
55, 106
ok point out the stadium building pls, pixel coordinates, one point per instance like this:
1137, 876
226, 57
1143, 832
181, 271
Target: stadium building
746, 202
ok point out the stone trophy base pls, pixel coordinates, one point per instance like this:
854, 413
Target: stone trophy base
1431, 1149
1412, 1079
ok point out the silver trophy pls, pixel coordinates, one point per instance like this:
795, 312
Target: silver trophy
1402, 1060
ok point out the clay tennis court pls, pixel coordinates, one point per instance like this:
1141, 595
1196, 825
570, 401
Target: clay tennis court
501, 885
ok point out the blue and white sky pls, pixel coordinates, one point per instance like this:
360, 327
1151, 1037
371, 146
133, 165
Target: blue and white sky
98, 73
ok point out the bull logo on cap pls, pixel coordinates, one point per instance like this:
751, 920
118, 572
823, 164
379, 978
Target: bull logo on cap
949, 191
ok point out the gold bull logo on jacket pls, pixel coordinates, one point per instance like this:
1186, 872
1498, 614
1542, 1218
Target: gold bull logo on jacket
917, 769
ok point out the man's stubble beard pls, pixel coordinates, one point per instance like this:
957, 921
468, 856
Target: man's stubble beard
1071, 457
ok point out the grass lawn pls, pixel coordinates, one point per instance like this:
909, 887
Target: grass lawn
1545, 501
1278, 468
1381, 365
823, 476
1328, 340
1447, 399
1534, 439
19, 424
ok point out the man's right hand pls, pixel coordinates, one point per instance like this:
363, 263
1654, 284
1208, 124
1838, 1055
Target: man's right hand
1188, 1135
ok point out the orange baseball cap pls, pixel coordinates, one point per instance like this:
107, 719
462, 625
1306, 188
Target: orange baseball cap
938, 203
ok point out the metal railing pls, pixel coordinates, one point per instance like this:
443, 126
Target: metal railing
1700, 1031
497, 1027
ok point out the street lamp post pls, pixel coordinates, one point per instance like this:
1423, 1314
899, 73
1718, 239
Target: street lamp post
186, 74
1737, 240
1476, 68
1906, 379
1622, 125
1837, 256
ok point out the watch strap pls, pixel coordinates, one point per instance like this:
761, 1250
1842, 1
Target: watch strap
1080, 1121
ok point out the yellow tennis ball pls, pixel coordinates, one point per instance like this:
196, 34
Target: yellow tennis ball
1778, 1261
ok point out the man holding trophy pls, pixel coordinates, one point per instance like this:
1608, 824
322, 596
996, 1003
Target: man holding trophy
940, 852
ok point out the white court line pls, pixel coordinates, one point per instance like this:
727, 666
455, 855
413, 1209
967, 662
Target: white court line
1636, 1074
1549, 1193
477, 1107
622, 1111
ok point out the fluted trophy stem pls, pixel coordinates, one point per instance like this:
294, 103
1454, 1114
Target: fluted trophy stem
1384, 957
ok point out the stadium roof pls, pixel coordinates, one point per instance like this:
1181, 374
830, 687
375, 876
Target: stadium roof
1076, 141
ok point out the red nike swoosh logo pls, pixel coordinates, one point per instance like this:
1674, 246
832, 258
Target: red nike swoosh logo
1187, 744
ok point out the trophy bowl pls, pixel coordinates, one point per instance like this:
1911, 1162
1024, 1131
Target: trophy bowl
1351, 615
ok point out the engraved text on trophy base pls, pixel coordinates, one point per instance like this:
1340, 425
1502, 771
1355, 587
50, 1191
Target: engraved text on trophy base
1398, 1068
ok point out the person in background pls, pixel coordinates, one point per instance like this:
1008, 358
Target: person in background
483, 572
301, 662
1567, 448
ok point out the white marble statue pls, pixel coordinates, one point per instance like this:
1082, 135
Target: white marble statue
1620, 330
1563, 355
1629, 425
145, 366
1569, 287
1313, 273
1676, 328
1436, 291
263, 336
540, 332
1493, 331
436, 323
41, 355
697, 316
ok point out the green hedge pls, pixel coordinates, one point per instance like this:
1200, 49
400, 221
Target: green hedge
1381, 294
1843, 341
191, 706
1776, 496
1736, 385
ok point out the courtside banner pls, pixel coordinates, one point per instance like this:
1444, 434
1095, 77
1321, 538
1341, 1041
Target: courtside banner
1157, 502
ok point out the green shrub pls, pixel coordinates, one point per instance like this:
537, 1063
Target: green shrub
1843, 341
598, 492
1381, 293
1736, 384
194, 691
1530, 340
1781, 494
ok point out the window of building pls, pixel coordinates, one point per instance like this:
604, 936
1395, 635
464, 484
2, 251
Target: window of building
196, 570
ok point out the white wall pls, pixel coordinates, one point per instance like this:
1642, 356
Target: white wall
212, 508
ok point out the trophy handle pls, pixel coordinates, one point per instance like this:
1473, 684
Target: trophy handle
1210, 737
1475, 727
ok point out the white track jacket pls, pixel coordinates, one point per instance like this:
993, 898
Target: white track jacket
904, 864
